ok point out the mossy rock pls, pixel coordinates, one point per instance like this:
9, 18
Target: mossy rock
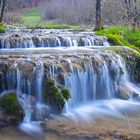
2, 28
99, 28
66, 93
1, 82
121, 70
55, 97
114, 40
132, 61
12, 112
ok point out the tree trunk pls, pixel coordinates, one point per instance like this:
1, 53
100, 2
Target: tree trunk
135, 24
3, 4
98, 24
132, 12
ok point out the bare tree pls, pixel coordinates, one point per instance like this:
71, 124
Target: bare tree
2, 9
98, 24
132, 13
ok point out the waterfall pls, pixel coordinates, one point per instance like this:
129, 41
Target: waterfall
54, 39
96, 79
57, 42
40, 77
68, 42
30, 78
75, 43
87, 42
90, 84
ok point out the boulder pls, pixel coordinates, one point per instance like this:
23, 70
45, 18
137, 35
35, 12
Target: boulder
55, 97
124, 92
11, 111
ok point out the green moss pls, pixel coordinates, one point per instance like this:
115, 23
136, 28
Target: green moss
122, 51
2, 28
50, 83
54, 96
11, 107
66, 93
99, 28
137, 44
114, 40
121, 70
122, 36
132, 61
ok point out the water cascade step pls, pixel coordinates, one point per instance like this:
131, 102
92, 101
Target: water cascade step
50, 38
90, 76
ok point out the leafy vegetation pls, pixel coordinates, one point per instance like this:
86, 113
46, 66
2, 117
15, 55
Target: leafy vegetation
122, 36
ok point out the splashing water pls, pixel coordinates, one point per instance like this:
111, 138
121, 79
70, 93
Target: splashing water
92, 77
27, 101
93, 93
53, 39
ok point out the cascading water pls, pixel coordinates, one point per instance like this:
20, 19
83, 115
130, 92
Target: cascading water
52, 39
29, 83
92, 89
94, 77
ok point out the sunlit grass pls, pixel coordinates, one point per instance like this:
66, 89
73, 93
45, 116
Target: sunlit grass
2, 28
122, 36
32, 17
51, 25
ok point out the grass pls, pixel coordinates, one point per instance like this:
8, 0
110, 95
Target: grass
122, 36
52, 25
32, 18
2, 28
33, 12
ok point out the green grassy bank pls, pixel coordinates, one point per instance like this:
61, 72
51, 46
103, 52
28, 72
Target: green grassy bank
2, 28
122, 36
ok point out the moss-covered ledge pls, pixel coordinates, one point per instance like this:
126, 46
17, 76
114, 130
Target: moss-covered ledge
132, 60
3, 28
11, 111
55, 96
